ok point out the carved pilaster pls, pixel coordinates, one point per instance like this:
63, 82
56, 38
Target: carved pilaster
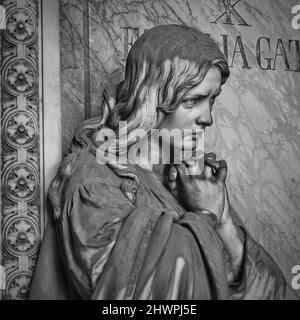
21, 221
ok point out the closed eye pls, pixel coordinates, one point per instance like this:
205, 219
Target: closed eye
197, 97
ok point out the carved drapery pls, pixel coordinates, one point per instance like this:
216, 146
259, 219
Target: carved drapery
21, 219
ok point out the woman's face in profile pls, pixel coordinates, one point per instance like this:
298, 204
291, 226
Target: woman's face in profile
194, 112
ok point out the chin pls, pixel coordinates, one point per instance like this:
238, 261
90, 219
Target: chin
189, 145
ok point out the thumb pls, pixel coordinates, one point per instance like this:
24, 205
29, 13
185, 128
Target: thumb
172, 174
182, 174
220, 167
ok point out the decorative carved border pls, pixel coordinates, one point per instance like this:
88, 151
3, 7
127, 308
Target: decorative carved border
21, 221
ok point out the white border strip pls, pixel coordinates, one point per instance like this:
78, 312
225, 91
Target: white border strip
51, 98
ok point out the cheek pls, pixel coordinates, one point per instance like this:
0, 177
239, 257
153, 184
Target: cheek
181, 118
170, 122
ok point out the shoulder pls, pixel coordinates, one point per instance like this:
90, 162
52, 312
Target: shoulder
81, 174
88, 171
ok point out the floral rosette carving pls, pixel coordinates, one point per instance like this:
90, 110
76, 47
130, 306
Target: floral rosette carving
21, 235
21, 182
20, 129
20, 76
20, 173
18, 287
20, 25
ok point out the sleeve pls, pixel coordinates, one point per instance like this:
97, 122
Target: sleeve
260, 277
92, 216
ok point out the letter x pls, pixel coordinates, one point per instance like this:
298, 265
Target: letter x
231, 11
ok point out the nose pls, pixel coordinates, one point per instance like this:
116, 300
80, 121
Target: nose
205, 118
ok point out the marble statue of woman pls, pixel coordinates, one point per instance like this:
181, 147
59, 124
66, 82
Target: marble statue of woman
152, 231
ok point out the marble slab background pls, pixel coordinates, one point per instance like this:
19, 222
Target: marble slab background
256, 119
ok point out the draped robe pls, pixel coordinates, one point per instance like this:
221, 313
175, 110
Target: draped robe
101, 245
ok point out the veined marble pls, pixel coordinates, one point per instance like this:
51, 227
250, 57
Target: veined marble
256, 118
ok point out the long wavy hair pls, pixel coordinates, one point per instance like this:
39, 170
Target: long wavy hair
162, 66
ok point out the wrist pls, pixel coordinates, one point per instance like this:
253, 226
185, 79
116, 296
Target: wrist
227, 226
232, 237
210, 217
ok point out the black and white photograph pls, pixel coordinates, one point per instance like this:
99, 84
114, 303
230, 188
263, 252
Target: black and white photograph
150, 150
